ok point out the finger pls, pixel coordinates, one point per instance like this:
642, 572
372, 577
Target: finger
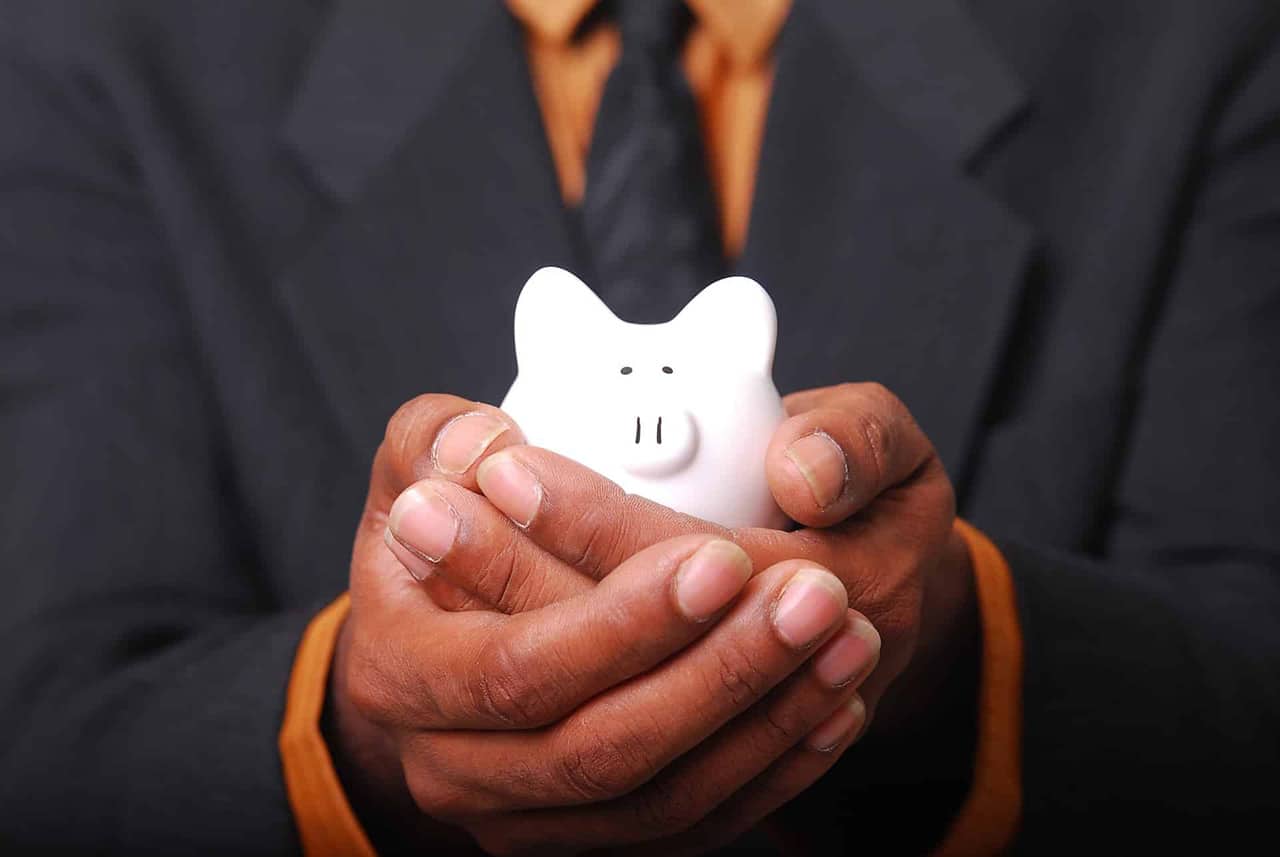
817, 708
422, 668
817, 713
785, 780
575, 513
788, 777
437, 435
626, 736
442, 592
592, 525
849, 446
445, 532
619, 832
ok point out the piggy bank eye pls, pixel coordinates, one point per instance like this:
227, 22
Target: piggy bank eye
667, 370
626, 370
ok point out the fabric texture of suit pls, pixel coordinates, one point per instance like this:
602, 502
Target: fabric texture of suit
235, 236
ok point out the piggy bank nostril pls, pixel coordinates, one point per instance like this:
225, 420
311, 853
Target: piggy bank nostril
658, 442
640, 430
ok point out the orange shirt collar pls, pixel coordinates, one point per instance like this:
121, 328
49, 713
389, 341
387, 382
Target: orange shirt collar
745, 28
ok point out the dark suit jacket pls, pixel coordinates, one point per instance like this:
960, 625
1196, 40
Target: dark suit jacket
235, 235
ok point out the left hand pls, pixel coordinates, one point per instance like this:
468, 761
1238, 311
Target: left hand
849, 465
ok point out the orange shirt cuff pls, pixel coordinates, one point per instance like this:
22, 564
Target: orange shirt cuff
327, 826
989, 817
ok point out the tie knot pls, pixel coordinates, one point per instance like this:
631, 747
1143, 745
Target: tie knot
652, 27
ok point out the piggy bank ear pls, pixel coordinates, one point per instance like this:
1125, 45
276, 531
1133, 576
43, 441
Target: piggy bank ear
733, 321
557, 315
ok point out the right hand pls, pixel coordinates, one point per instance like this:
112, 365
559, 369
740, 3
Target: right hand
671, 702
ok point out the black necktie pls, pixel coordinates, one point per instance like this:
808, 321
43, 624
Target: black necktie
648, 215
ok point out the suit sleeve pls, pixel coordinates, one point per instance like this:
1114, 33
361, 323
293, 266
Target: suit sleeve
143, 665
1151, 702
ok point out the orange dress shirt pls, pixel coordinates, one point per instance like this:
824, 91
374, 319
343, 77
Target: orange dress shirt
728, 62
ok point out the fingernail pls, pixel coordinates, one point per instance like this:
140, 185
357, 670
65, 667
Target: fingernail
419, 569
511, 487
823, 465
464, 439
840, 727
711, 578
852, 654
811, 603
423, 522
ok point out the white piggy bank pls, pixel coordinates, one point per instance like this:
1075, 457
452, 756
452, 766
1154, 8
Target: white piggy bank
680, 413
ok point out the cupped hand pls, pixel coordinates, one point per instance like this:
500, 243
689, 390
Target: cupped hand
682, 698
849, 464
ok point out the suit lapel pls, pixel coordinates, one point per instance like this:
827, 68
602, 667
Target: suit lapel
420, 121
886, 260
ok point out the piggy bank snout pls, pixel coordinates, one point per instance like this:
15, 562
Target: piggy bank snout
656, 440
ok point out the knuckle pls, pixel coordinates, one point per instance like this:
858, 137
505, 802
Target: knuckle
890, 593
434, 795
495, 575
411, 432
877, 391
599, 536
519, 775
877, 439
384, 686
402, 442
604, 766
738, 675
878, 397
785, 726
369, 684
367, 695
847, 390
507, 693
407, 418
595, 774
668, 807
